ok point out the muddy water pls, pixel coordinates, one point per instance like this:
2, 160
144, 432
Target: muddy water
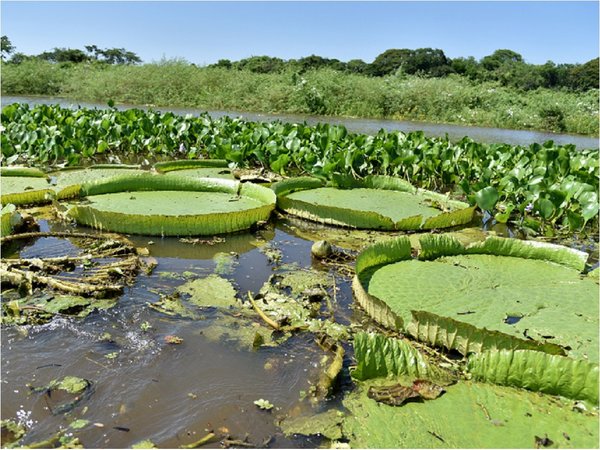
145, 388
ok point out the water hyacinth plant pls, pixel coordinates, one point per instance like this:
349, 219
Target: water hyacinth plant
543, 187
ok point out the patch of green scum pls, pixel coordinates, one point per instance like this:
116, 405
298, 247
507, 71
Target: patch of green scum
225, 263
11, 432
79, 424
207, 172
294, 297
537, 371
210, 291
379, 356
70, 384
519, 297
302, 281
327, 424
144, 444
468, 415
24, 190
36, 310
241, 332
185, 164
174, 306
9, 218
67, 182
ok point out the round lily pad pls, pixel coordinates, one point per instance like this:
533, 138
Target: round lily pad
500, 293
376, 202
23, 186
67, 182
158, 205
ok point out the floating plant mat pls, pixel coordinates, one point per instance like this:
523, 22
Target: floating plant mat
158, 205
21, 186
377, 202
499, 293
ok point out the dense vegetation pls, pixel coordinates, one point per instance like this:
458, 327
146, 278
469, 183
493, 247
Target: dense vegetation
452, 99
501, 90
542, 188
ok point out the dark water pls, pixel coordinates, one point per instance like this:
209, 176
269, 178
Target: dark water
170, 394
367, 126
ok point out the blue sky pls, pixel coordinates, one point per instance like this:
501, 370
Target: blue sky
204, 32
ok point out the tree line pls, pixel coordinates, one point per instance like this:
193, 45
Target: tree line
504, 66
92, 53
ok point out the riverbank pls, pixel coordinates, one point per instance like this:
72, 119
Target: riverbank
452, 100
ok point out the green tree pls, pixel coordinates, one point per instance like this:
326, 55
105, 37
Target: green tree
62, 55
389, 61
223, 63
6, 47
468, 67
584, 77
260, 64
314, 62
357, 66
500, 58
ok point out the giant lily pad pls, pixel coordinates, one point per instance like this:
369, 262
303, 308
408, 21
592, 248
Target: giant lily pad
377, 202
158, 205
468, 415
499, 293
196, 168
24, 186
67, 182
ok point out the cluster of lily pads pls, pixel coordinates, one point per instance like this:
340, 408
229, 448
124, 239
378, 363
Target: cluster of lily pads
520, 314
541, 187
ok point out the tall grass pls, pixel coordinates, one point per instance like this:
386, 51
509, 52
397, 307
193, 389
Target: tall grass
326, 92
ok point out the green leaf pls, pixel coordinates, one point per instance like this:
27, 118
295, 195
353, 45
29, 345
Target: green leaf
486, 198
545, 208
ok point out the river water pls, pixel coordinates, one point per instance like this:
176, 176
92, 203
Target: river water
147, 389
367, 126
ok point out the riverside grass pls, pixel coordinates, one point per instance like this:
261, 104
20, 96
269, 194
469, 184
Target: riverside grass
452, 99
